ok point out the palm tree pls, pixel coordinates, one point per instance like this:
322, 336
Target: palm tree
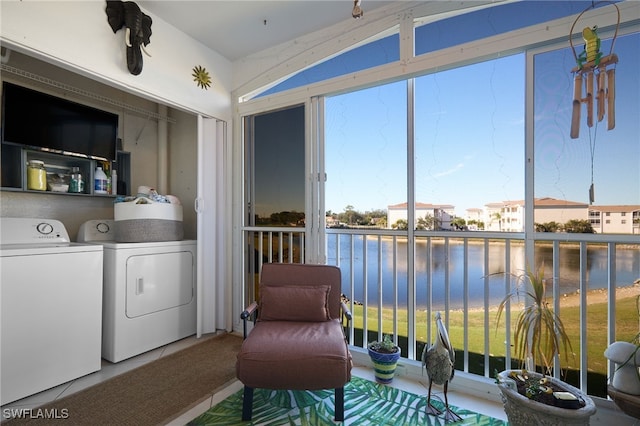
498, 217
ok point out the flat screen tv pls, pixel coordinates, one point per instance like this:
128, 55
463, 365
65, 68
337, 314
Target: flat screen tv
46, 122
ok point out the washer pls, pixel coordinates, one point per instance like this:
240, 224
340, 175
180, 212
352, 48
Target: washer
51, 307
149, 297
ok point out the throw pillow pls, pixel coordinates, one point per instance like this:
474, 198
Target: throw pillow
294, 303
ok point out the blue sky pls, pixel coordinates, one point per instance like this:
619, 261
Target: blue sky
470, 137
564, 165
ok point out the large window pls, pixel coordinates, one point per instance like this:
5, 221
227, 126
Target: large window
475, 138
366, 154
598, 170
274, 190
468, 148
469, 135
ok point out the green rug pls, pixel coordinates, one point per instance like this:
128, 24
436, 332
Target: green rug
366, 403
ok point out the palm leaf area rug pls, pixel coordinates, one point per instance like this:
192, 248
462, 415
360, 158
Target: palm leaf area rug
366, 403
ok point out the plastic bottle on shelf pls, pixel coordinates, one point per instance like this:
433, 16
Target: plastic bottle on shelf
100, 181
76, 185
106, 168
114, 182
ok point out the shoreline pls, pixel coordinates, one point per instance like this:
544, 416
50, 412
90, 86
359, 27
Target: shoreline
598, 295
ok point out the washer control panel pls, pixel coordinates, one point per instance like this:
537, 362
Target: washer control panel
20, 230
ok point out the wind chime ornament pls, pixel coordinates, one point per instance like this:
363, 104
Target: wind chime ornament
593, 68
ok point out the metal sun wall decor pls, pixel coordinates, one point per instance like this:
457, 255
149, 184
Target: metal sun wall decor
592, 66
201, 77
137, 30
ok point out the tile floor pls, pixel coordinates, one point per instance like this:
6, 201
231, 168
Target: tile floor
110, 370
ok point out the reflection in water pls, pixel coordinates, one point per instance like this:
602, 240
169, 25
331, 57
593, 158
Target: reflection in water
431, 267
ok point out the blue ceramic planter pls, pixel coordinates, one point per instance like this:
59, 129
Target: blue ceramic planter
384, 365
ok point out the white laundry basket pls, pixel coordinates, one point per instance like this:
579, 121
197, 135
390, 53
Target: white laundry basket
148, 222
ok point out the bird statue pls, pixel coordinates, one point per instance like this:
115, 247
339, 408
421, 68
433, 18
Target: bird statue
439, 360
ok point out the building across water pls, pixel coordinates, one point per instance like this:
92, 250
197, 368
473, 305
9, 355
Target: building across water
508, 216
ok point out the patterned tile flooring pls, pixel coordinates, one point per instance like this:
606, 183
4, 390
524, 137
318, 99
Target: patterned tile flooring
110, 370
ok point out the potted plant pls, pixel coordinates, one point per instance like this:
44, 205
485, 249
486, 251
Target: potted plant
384, 355
532, 397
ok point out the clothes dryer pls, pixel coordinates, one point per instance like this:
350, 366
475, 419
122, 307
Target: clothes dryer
149, 297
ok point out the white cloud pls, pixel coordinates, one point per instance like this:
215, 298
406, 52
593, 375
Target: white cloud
455, 169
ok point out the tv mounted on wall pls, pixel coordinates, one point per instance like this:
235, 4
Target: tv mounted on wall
46, 122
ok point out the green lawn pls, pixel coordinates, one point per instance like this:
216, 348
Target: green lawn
626, 329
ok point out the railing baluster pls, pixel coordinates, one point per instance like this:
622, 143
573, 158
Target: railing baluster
465, 304
365, 292
261, 250
429, 288
447, 283
352, 280
556, 297
395, 286
487, 350
611, 302
380, 306
583, 316
507, 314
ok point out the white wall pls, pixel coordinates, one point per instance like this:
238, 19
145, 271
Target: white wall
560, 215
76, 35
611, 222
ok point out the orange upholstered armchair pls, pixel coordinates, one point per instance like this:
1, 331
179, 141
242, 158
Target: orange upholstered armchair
297, 342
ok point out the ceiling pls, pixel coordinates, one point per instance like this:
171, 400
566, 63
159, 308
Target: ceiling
239, 28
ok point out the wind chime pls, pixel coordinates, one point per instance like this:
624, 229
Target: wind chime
593, 68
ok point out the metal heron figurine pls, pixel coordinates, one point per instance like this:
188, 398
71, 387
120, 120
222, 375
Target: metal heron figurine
439, 360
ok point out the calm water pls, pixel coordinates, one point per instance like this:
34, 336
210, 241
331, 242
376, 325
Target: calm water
627, 270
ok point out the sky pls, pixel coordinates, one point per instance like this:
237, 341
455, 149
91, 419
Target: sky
469, 127
470, 137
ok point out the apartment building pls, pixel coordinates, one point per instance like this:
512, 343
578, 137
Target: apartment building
615, 219
442, 213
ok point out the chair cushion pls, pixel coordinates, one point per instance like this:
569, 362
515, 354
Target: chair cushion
294, 355
294, 303
305, 275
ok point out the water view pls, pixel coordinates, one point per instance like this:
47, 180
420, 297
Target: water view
440, 263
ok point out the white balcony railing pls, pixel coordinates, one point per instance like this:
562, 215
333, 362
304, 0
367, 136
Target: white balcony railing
395, 287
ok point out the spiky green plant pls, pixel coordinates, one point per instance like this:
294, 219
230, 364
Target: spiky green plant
385, 345
539, 333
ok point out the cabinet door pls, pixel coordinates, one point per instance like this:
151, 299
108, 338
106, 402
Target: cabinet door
12, 166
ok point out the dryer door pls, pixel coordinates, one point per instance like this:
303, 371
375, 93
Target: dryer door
156, 282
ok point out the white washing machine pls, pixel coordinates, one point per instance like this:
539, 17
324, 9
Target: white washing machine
51, 307
149, 297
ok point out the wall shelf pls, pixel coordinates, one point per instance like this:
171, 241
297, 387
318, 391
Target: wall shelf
58, 166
